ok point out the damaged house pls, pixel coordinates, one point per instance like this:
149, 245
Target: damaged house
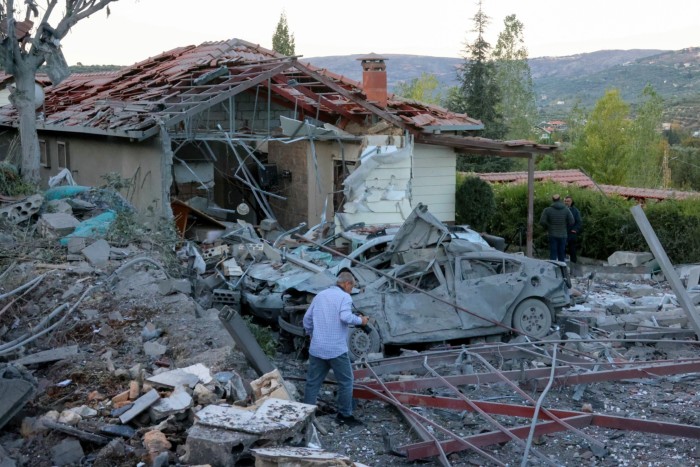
258, 135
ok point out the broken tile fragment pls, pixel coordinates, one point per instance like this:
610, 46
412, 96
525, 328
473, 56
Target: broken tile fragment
179, 401
140, 405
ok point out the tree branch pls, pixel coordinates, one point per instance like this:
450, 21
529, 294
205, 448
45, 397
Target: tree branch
81, 9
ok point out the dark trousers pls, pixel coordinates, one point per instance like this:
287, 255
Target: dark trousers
557, 248
571, 246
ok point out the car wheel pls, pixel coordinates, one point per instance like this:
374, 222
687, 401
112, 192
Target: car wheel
532, 317
363, 341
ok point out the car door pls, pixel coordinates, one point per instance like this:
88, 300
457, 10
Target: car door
486, 287
412, 313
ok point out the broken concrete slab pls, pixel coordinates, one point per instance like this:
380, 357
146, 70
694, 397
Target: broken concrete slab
272, 416
171, 286
58, 205
76, 245
299, 457
45, 356
693, 278
215, 446
54, 225
180, 377
67, 452
154, 349
15, 392
97, 254
140, 405
179, 401
629, 258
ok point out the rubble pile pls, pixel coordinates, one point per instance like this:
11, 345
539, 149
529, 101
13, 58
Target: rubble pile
116, 352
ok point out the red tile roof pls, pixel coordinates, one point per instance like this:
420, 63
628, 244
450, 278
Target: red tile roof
185, 80
578, 178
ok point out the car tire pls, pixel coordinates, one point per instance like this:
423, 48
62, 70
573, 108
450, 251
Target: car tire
532, 317
363, 341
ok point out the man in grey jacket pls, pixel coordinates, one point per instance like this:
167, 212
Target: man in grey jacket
556, 219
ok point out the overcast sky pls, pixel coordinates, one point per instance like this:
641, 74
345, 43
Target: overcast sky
138, 29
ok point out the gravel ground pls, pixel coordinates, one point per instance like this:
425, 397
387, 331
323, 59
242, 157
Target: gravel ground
108, 328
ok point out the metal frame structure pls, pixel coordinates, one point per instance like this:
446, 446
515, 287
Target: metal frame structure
376, 380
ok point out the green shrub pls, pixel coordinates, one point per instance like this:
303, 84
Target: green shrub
608, 225
475, 203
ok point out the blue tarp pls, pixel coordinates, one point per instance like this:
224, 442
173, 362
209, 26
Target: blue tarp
91, 228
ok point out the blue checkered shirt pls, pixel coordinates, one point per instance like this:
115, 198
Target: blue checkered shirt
327, 320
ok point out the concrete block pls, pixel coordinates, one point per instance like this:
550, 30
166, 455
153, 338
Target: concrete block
630, 258
576, 326
59, 205
177, 402
216, 447
67, 452
171, 286
140, 405
97, 254
22, 210
693, 277
76, 245
54, 225
212, 281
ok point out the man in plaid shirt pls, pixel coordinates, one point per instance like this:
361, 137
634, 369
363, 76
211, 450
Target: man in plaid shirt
327, 321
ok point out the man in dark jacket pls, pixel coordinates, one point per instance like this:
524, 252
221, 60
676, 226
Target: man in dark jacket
556, 219
574, 230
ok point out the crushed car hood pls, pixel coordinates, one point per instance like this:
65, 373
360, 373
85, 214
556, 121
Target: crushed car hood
421, 229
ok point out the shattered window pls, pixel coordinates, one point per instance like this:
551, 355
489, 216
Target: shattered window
478, 268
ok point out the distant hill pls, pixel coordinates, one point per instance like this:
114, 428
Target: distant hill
562, 81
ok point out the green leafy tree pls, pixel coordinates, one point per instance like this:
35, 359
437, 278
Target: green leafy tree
424, 89
603, 148
647, 142
517, 104
23, 56
480, 94
479, 97
684, 164
282, 41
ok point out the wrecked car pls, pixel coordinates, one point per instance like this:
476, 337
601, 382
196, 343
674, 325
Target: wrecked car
265, 281
429, 287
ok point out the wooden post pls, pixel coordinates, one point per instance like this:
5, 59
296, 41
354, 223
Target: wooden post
530, 202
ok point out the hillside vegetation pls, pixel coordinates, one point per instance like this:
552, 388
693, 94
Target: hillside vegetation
560, 82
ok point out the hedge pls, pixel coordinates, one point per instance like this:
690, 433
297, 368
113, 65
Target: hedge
608, 225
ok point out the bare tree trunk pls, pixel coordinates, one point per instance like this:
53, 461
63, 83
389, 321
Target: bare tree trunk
23, 100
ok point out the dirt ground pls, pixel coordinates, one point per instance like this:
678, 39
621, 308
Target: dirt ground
110, 322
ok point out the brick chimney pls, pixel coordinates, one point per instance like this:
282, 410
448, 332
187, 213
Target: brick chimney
374, 78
